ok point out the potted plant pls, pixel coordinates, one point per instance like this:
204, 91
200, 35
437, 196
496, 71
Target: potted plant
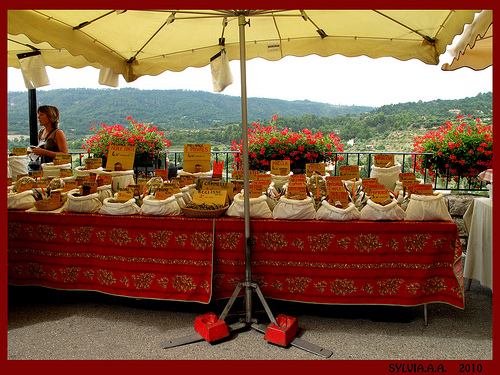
149, 141
266, 143
463, 149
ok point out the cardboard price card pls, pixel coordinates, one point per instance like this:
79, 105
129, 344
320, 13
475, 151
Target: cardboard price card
136, 188
20, 151
36, 174
298, 178
280, 167
255, 191
210, 197
92, 185
252, 174
237, 174
217, 169
163, 193
93, 163
172, 188
80, 179
407, 177
55, 196
163, 173
121, 155
61, 159
218, 185
262, 185
367, 181
104, 180
368, 187
423, 189
264, 177
339, 196
333, 181
296, 190
124, 194
380, 195
70, 185
25, 186
335, 188
66, 172
315, 167
186, 180
383, 160
349, 172
409, 186
197, 158
238, 186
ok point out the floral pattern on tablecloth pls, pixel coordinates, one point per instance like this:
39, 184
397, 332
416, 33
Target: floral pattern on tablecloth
396, 263
139, 257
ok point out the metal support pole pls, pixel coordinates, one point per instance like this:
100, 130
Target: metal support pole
425, 314
33, 117
246, 176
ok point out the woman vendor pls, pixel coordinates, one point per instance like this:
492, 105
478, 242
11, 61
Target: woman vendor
51, 139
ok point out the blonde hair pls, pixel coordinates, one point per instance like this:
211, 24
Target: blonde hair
52, 113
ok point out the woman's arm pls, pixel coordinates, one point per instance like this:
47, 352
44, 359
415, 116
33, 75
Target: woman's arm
61, 143
60, 140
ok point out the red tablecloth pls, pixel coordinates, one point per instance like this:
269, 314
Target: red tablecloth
358, 262
176, 258
129, 256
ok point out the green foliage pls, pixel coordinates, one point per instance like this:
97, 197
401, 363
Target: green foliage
167, 109
267, 143
461, 149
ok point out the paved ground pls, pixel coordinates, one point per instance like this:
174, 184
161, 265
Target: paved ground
44, 324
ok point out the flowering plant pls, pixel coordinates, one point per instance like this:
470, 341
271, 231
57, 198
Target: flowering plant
460, 149
266, 143
149, 142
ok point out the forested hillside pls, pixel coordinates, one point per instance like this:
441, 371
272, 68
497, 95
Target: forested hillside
201, 117
168, 109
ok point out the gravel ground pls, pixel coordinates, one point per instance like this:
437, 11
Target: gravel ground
46, 324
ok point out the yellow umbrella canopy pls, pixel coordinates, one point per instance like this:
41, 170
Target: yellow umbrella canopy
58, 57
148, 42
475, 48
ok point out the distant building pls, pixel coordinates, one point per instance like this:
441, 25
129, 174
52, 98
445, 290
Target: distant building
455, 111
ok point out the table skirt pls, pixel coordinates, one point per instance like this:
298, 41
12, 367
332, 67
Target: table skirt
183, 259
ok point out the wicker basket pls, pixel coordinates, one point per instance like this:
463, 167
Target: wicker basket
46, 205
190, 212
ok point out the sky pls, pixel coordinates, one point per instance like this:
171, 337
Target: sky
337, 80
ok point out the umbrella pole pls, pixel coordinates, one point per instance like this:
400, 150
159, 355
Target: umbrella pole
217, 327
33, 117
246, 174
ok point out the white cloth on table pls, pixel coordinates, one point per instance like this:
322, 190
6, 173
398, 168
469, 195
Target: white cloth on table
479, 258
329, 212
291, 209
427, 208
259, 209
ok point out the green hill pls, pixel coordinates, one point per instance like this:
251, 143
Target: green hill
202, 117
168, 109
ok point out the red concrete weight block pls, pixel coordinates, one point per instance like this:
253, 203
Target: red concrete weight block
210, 327
284, 332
